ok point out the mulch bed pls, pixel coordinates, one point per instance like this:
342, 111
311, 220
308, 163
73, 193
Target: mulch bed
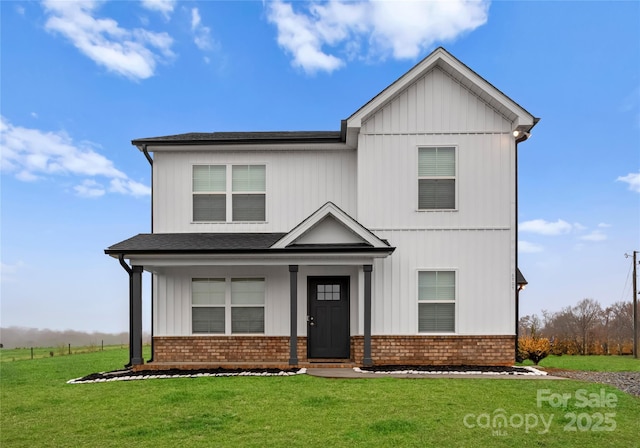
505, 370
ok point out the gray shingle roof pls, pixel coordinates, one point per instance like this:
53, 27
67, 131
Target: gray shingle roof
222, 243
219, 138
195, 242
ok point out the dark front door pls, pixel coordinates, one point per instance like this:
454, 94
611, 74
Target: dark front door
328, 319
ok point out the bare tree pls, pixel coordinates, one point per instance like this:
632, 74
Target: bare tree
621, 324
585, 328
587, 315
529, 325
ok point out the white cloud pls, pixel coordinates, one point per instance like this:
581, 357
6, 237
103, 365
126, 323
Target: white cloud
595, 235
201, 34
300, 36
128, 186
542, 227
402, 29
162, 6
32, 154
526, 247
89, 188
633, 179
130, 53
604, 225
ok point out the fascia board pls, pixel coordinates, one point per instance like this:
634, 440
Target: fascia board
459, 71
187, 147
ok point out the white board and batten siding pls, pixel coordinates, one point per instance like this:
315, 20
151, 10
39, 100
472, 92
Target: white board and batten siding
477, 239
172, 300
297, 184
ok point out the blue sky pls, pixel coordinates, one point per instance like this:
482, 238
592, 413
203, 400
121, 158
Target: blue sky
80, 80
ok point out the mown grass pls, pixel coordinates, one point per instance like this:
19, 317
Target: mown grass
38, 409
594, 363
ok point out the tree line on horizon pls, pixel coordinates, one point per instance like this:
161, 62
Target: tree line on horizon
22, 337
586, 328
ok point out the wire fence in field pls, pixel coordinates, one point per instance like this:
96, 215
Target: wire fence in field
25, 353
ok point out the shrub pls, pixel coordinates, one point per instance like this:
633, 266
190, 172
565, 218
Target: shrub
535, 349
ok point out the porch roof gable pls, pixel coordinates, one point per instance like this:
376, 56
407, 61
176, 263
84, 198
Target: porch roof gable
335, 223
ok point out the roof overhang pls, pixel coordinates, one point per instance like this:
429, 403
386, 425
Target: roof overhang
247, 141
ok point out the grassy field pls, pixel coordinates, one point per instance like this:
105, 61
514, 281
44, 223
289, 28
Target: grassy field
592, 363
39, 409
19, 354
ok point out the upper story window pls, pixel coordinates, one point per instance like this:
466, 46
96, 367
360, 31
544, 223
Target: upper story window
229, 193
436, 301
437, 178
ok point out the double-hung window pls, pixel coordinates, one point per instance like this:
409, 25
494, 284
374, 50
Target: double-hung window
229, 193
437, 178
209, 193
436, 301
248, 192
227, 306
208, 302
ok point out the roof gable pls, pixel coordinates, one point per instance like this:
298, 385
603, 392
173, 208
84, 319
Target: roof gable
329, 225
442, 59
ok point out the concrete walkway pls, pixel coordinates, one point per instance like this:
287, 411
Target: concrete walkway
346, 373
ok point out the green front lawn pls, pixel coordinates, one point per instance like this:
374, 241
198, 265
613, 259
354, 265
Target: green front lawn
599, 363
39, 409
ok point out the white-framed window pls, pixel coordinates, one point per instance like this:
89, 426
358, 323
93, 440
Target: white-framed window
437, 178
227, 305
229, 193
436, 301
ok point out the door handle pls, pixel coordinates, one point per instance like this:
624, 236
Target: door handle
310, 320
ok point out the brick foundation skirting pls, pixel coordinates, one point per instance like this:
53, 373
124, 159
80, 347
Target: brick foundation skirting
397, 350
437, 350
225, 349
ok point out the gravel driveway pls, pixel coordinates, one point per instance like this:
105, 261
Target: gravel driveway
625, 381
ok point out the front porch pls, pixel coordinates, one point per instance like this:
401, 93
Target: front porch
328, 291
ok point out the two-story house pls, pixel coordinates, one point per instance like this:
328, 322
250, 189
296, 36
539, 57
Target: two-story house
390, 241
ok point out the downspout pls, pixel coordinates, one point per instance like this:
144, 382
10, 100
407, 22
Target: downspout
130, 272
150, 160
124, 264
